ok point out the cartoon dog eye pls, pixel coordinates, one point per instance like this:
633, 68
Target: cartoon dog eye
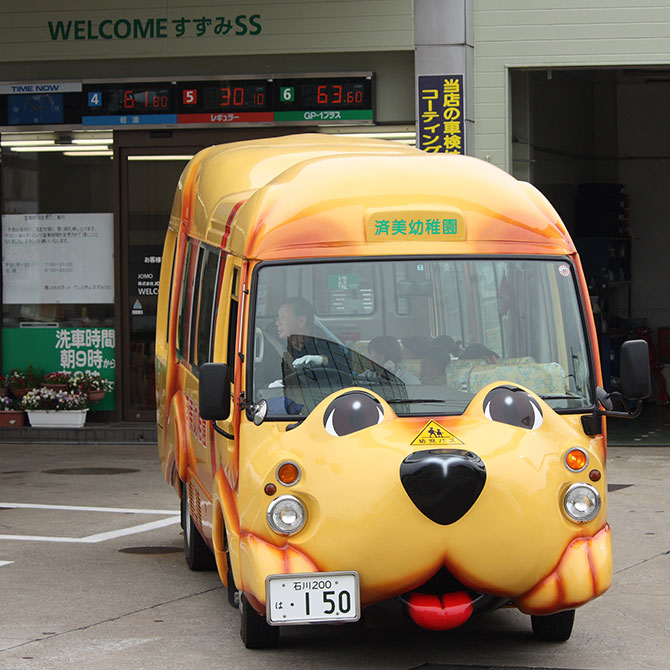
352, 412
513, 406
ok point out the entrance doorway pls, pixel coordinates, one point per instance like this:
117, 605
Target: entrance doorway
596, 142
150, 163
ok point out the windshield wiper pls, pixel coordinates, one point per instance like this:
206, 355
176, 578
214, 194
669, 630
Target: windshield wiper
396, 401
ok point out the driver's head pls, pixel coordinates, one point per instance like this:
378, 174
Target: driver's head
295, 317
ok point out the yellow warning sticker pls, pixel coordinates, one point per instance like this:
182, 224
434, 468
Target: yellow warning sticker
434, 435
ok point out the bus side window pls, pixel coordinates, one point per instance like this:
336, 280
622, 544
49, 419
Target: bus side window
232, 326
208, 296
184, 306
195, 305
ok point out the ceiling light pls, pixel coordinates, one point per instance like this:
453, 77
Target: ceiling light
61, 148
88, 153
26, 143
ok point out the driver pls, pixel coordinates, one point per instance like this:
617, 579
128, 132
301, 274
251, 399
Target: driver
305, 346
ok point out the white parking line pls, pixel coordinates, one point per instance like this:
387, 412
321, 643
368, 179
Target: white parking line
97, 537
5, 563
77, 508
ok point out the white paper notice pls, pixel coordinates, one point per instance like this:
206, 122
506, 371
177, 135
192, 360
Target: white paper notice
57, 258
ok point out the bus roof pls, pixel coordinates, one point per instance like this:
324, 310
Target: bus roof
317, 195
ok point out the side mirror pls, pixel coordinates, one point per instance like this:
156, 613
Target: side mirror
634, 370
214, 392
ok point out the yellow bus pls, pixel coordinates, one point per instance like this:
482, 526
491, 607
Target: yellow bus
377, 378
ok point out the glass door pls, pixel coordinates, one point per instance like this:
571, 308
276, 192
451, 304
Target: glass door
150, 180
150, 163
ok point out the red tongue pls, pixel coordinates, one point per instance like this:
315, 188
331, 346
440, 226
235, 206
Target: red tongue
428, 611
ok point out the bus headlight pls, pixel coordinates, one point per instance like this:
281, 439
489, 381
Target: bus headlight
581, 503
286, 515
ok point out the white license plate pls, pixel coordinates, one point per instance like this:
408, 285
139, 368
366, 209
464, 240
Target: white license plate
314, 597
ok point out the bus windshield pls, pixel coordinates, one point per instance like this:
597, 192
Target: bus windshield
425, 334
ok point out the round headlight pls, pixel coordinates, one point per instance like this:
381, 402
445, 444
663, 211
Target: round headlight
582, 502
286, 515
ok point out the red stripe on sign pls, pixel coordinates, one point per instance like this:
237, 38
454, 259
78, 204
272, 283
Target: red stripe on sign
227, 117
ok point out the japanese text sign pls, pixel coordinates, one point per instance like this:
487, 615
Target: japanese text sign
414, 225
441, 125
57, 258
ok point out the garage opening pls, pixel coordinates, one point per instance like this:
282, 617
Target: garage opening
596, 142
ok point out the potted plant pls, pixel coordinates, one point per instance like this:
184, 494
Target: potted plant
19, 382
11, 412
58, 381
48, 408
90, 383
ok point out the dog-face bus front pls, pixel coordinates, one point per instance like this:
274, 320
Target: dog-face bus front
377, 378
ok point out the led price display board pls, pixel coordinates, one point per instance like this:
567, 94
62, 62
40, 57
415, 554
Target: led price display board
320, 99
225, 101
128, 104
257, 100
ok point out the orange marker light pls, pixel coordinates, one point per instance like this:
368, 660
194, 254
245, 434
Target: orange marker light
288, 473
576, 459
270, 489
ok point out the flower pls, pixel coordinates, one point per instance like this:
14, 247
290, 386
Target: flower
89, 381
60, 377
8, 404
28, 378
44, 398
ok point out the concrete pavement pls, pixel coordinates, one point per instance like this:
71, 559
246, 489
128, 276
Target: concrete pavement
92, 575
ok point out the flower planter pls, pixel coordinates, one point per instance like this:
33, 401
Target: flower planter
19, 392
12, 418
67, 418
57, 387
96, 396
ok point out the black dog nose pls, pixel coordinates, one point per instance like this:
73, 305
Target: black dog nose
443, 483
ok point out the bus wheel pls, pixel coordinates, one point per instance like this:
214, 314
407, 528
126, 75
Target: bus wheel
255, 632
198, 555
553, 627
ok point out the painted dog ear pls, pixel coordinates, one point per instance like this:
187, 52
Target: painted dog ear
513, 406
351, 412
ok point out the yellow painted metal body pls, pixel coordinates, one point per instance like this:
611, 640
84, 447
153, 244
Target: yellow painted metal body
316, 197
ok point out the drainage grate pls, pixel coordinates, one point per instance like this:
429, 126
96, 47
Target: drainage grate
89, 471
151, 550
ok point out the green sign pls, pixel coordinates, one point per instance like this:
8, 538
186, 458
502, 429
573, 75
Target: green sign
326, 115
54, 349
124, 28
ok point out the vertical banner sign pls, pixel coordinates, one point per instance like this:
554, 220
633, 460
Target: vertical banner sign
441, 113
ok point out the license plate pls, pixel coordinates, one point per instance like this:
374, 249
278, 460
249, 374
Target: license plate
314, 597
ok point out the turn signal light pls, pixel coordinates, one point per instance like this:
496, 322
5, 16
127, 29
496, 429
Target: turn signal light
288, 473
576, 459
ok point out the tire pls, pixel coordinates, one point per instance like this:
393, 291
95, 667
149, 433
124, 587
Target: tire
553, 627
198, 555
255, 632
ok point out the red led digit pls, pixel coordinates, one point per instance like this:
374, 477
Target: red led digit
225, 97
337, 94
322, 95
238, 97
128, 99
